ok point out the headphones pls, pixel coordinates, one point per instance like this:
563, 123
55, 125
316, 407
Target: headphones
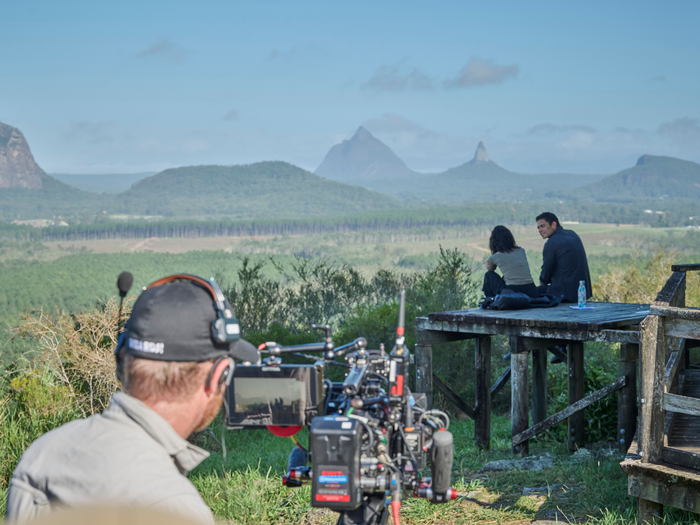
225, 327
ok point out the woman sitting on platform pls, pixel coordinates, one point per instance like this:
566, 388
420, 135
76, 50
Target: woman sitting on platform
512, 261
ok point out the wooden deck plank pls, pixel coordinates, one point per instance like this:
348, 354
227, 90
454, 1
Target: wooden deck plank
604, 316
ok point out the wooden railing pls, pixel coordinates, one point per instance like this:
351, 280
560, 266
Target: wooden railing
667, 334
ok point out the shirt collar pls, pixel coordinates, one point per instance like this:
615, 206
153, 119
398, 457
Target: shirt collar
185, 455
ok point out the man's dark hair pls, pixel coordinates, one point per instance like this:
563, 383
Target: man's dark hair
502, 241
549, 217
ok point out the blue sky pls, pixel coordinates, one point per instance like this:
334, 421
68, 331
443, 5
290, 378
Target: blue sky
122, 87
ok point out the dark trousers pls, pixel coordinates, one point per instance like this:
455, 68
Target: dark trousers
494, 284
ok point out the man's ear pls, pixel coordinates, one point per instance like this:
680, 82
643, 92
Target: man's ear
555, 224
215, 383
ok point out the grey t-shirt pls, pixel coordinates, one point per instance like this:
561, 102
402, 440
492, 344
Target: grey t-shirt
513, 265
127, 456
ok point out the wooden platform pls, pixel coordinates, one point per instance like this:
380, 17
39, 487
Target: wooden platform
534, 331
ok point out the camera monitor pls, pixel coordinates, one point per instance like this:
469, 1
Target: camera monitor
274, 395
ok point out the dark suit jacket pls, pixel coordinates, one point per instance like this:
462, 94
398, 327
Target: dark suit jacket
564, 264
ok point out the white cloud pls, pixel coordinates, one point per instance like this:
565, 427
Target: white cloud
683, 132
556, 129
231, 115
164, 49
480, 72
396, 78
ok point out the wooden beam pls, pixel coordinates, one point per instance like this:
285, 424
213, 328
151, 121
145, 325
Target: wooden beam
681, 404
500, 382
539, 385
573, 334
482, 408
424, 372
689, 314
453, 397
651, 390
568, 411
627, 396
684, 329
519, 398
671, 290
685, 267
682, 458
671, 375
577, 377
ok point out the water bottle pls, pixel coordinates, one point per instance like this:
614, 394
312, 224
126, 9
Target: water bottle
582, 294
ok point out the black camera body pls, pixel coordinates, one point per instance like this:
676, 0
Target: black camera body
370, 438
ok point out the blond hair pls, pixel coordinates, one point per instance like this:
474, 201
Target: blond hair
147, 379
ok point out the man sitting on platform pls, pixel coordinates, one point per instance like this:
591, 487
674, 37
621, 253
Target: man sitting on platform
564, 262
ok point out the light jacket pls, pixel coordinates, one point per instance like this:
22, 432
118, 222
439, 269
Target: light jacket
127, 456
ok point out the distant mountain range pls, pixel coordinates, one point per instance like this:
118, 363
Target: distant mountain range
360, 174
102, 183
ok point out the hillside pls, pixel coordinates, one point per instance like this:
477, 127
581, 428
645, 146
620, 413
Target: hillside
362, 159
651, 178
265, 189
104, 183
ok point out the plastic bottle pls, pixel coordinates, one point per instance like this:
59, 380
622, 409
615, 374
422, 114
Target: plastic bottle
582, 294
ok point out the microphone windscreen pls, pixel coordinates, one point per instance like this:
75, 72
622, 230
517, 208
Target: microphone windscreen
124, 283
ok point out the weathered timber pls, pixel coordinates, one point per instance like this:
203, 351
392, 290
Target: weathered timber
568, 411
538, 332
424, 372
576, 423
648, 511
500, 382
519, 394
453, 397
627, 395
684, 329
603, 315
651, 416
539, 385
685, 267
558, 353
671, 373
674, 287
435, 337
681, 404
688, 314
482, 408
683, 458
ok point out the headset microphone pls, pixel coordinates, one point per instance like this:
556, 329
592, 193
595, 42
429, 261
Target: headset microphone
124, 282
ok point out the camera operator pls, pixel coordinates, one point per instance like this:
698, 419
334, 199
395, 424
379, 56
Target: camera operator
174, 371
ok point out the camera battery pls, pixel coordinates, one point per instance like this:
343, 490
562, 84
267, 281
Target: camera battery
335, 450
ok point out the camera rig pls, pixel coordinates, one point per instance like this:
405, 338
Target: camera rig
369, 438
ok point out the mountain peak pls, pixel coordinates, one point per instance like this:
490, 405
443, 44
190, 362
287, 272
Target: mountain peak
480, 155
362, 157
644, 159
17, 166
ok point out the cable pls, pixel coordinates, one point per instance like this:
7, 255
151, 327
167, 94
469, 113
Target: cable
369, 433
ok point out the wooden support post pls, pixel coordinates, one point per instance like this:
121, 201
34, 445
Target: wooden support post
651, 391
519, 393
576, 435
424, 372
482, 423
649, 511
627, 395
539, 385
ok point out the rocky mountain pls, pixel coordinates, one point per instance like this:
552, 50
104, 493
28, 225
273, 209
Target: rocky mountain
652, 177
362, 158
17, 166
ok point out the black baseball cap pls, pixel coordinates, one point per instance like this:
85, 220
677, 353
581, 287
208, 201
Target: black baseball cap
173, 322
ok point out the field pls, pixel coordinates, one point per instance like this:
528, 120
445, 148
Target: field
583, 488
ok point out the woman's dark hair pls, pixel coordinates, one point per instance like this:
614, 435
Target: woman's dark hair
502, 241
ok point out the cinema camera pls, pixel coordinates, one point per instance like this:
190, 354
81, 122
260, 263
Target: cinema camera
369, 436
